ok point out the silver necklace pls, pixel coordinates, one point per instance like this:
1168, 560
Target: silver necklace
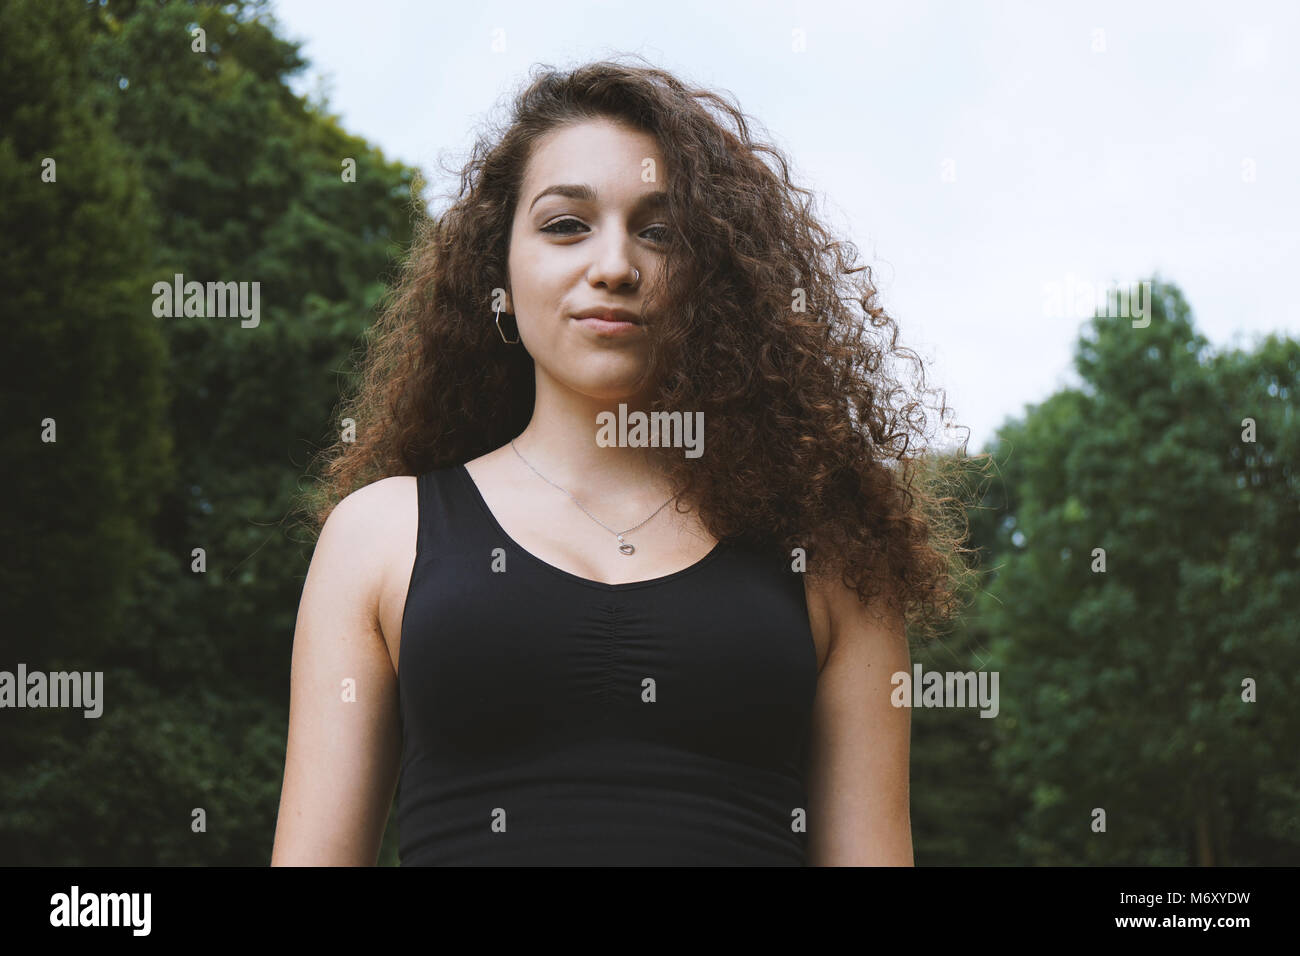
623, 546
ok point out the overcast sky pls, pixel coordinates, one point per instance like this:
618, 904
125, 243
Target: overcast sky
976, 153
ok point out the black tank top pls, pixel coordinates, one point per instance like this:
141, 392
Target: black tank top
548, 719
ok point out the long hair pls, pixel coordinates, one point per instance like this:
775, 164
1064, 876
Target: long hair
810, 441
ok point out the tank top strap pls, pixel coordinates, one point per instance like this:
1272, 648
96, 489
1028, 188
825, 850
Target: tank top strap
444, 513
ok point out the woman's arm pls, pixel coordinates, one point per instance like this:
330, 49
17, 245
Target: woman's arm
344, 742
858, 812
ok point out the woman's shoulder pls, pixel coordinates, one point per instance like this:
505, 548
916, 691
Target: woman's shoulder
375, 529
377, 505
372, 523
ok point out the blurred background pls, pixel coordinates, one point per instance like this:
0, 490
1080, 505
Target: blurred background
1000, 166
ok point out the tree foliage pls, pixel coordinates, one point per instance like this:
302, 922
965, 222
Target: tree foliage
1123, 689
174, 433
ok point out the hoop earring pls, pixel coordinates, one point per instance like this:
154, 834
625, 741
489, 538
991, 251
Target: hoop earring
502, 334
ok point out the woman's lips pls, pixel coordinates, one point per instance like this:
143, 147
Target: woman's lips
604, 327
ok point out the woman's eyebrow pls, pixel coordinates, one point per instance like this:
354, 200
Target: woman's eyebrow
584, 193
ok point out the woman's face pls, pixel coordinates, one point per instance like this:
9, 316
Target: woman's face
575, 250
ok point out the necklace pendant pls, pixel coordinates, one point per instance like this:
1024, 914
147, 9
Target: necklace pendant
624, 547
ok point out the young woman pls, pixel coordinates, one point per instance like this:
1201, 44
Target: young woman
504, 619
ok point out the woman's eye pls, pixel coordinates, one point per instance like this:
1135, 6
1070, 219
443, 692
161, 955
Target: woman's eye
563, 227
554, 229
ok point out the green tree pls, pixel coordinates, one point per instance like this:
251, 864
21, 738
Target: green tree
85, 354
242, 181
1123, 689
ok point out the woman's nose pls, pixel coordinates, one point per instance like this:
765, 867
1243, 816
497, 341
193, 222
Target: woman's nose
613, 268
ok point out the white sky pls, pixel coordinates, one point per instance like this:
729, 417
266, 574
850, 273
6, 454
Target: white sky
1167, 153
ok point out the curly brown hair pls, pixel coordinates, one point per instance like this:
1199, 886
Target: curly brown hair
808, 448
